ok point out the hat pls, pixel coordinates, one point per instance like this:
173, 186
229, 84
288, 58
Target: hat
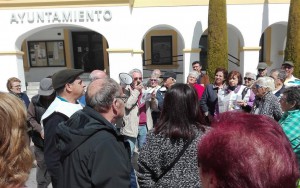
250, 75
46, 87
169, 74
288, 63
262, 65
61, 78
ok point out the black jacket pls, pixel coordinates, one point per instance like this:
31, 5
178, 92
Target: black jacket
93, 153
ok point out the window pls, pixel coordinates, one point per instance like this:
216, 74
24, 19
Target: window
160, 47
46, 53
161, 50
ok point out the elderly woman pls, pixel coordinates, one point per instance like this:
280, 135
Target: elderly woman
266, 103
14, 87
192, 81
247, 94
290, 105
236, 93
209, 100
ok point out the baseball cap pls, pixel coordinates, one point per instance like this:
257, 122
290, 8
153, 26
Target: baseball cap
61, 78
262, 65
46, 87
169, 74
288, 63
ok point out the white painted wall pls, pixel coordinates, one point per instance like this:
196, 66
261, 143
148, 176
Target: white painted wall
127, 29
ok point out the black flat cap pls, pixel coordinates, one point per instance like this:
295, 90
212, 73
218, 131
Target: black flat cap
169, 74
61, 78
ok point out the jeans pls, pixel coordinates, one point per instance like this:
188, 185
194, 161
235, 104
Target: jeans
141, 138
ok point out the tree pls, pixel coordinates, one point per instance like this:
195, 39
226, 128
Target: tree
292, 50
217, 53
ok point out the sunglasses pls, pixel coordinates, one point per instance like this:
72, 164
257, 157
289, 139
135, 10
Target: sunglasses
153, 80
249, 79
257, 86
138, 78
260, 70
287, 66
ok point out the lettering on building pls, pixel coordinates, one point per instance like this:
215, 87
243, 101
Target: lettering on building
60, 17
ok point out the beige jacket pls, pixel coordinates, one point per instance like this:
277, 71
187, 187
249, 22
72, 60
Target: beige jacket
131, 116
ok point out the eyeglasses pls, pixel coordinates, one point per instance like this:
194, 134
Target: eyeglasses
138, 78
260, 70
153, 80
249, 79
17, 86
123, 98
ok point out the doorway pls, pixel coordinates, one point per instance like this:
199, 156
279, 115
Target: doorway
88, 51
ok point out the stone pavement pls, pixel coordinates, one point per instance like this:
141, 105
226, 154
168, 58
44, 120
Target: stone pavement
31, 182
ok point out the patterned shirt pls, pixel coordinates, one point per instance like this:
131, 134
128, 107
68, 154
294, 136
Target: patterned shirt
290, 125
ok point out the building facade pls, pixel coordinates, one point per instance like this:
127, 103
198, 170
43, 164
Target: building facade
41, 37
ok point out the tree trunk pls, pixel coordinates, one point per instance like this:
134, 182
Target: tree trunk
292, 50
217, 53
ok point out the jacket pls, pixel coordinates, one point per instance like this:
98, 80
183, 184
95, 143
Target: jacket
209, 99
131, 117
158, 153
93, 153
267, 105
34, 115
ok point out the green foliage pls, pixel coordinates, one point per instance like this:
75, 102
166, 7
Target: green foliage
292, 50
217, 53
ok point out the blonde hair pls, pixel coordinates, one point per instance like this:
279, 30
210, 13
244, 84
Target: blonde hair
10, 81
15, 156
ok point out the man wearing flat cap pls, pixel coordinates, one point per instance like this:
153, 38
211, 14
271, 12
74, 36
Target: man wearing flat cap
288, 67
69, 88
37, 107
169, 79
262, 69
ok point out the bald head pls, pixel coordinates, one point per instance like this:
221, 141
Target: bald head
97, 74
101, 93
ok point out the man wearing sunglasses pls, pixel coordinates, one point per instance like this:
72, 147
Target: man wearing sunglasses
262, 69
137, 119
288, 66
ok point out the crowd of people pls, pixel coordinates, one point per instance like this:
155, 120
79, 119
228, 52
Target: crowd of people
237, 131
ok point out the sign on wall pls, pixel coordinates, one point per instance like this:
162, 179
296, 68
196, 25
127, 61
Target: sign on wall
46, 53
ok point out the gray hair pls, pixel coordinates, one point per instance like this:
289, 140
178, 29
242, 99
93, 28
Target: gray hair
135, 70
102, 96
293, 96
194, 74
250, 75
281, 74
266, 82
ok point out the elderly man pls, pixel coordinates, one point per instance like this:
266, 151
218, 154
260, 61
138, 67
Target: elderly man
169, 79
94, 75
202, 79
279, 77
288, 67
94, 153
262, 69
69, 87
137, 119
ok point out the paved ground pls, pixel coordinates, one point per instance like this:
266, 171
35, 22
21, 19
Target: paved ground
31, 182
